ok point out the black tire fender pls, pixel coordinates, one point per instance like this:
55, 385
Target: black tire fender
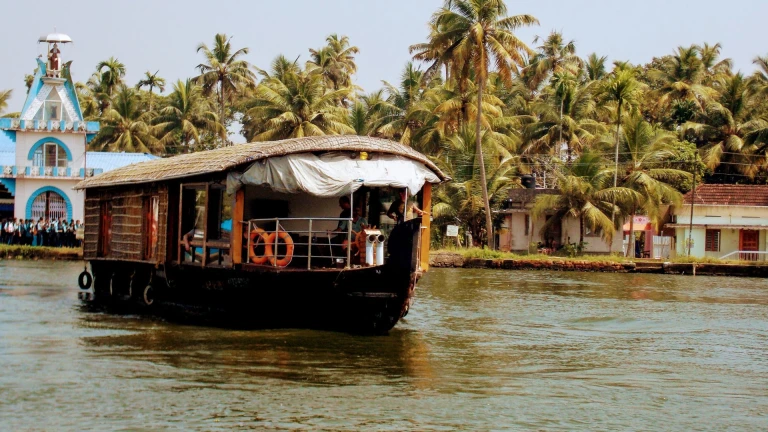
85, 280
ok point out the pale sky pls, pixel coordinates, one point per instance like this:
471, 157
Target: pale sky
163, 35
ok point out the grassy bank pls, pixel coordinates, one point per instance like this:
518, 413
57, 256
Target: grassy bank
477, 253
39, 252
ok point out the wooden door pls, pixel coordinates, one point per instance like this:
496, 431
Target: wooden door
749, 240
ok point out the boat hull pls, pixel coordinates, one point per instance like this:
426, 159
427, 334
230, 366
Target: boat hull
361, 300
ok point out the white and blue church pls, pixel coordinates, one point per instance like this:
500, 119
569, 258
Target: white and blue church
43, 152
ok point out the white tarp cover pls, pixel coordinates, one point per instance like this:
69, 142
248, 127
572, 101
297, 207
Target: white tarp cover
333, 174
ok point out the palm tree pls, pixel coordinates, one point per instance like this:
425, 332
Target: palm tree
584, 194
462, 198
5, 96
298, 105
471, 34
623, 89
595, 67
732, 129
111, 73
555, 56
646, 150
151, 80
223, 72
125, 127
759, 80
187, 118
336, 61
574, 125
681, 78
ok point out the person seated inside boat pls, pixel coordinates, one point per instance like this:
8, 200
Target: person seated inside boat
398, 210
341, 228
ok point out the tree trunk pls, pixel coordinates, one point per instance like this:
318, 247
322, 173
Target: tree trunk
616, 169
481, 162
581, 229
631, 244
560, 142
221, 103
150, 99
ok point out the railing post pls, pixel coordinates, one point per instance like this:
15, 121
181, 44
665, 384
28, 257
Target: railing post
309, 247
274, 251
249, 242
349, 229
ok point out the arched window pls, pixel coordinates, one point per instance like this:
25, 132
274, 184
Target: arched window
49, 205
50, 155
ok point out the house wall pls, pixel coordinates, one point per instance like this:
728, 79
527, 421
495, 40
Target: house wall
729, 242
28, 188
75, 142
515, 239
722, 215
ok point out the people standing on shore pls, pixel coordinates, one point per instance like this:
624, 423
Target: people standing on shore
41, 232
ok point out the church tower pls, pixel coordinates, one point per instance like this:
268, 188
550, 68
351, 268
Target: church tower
48, 142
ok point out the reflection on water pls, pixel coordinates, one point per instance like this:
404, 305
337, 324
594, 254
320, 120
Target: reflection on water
480, 349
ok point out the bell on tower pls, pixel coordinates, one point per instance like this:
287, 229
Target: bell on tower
54, 59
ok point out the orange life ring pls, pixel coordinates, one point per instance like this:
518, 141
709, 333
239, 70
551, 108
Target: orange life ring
258, 235
286, 238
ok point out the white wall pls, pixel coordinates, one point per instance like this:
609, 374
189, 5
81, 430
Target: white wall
722, 215
25, 187
516, 240
74, 141
299, 206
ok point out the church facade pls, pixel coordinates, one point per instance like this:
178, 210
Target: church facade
43, 153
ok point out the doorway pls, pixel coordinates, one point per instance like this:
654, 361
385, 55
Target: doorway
749, 240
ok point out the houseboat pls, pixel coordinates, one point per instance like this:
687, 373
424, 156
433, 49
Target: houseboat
292, 233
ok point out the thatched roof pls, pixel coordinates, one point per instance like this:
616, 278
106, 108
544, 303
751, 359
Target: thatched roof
222, 159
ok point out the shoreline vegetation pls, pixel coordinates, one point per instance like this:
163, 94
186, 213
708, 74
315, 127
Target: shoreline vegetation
24, 252
485, 258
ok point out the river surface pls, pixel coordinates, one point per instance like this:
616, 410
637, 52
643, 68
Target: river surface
480, 350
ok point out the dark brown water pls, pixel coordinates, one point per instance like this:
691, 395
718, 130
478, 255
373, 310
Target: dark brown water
480, 350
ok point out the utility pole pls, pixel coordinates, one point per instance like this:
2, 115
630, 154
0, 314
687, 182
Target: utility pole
693, 201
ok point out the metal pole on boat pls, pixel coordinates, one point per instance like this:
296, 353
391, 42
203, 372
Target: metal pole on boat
349, 229
309, 247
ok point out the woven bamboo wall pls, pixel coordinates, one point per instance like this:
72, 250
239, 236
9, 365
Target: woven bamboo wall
128, 221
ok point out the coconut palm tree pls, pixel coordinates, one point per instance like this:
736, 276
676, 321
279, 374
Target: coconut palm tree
623, 89
584, 193
336, 61
595, 67
151, 80
469, 36
5, 96
732, 130
298, 105
111, 73
126, 127
223, 72
187, 118
646, 150
555, 55
567, 118
681, 77
463, 198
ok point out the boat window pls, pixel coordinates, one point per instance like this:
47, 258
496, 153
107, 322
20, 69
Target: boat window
219, 223
105, 229
206, 224
151, 208
193, 200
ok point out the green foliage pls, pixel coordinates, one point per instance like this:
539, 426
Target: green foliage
482, 104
